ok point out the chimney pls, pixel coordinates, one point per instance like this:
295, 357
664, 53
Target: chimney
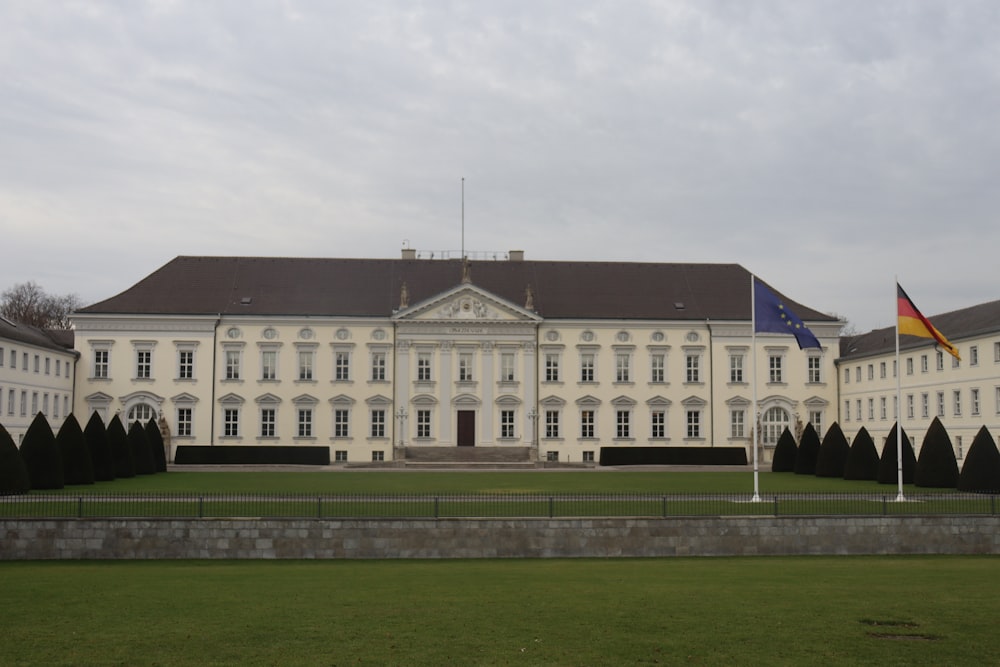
409, 253
516, 255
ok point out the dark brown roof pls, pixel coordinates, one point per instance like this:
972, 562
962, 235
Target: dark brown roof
968, 322
371, 287
53, 339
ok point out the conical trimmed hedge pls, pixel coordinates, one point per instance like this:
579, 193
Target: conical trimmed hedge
887, 467
78, 468
862, 461
100, 449
784, 453
121, 451
808, 452
142, 455
832, 459
936, 466
14, 477
156, 445
41, 455
981, 470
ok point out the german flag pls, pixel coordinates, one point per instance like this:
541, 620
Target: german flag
912, 322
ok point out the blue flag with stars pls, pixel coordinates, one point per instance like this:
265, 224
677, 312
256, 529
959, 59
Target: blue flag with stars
772, 316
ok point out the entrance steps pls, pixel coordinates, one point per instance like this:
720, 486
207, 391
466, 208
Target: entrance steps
468, 456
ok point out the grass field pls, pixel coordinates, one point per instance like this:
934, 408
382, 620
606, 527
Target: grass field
754, 611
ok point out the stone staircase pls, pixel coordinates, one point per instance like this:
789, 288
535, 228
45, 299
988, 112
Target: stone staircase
478, 457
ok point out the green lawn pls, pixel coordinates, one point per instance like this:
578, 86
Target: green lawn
753, 611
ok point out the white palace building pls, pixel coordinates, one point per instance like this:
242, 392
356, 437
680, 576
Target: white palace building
382, 359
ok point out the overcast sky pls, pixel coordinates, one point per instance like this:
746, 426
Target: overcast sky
826, 146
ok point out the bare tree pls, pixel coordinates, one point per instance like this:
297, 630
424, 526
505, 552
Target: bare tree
28, 303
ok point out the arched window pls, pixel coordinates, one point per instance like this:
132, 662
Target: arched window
140, 412
774, 422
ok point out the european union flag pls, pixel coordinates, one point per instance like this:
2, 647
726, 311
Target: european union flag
772, 316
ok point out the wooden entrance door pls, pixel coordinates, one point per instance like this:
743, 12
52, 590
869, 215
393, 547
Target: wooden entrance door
466, 428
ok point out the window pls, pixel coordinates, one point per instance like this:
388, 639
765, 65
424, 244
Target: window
378, 423
586, 423
882, 408
773, 423
871, 371
58, 365
24, 403
847, 411
694, 423
857, 407
307, 359
623, 367
939, 356
551, 423
55, 405
24, 361
816, 419
378, 455
957, 400
506, 423
341, 423
231, 422
267, 420
871, 408
48, 365
424, 367
551, 456
736, 368
737, 423
423, 423
11, 400
813, 373
143, 364
588, 456
101, 365
184, 422
881, 370
340, 455
13, 357
657, 368
774, 365
940, 404
693, 368
185, 364
305, 423
909, 406
37, 358
658, 424
269, 365
923, 363
465, 367
974, 402
996, 354
234, 363
507, 367
378, 366
623, 424
925, 407
34, 402
587, 367
342, 367
909, 365
551, 367
1, 357
955, 362
973, 355
857, 374
45, 404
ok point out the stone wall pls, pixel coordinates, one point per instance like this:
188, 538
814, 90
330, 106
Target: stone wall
494, 538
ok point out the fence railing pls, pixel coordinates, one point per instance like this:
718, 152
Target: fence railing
485, 505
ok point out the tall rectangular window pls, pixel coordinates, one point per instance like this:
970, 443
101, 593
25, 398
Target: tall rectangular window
58, 365
378, 366
909, 406
267, 420
378, 423
774, 363
342, 366
2, 357
551, 367
973, 355
507, 367
736, 368
925, 407
623, 367
423, 423
847, 411
506, 423
551, 423
424, 367
737, 423
694, 423
101, 363
306, 359
909, 365
871, 408
623, 424
586, 423
940, 404
957, 402
231, 422
939, 359
11, 400
813, 374
24, 403
657, 368
37, 367
48, 365
658, 424
185, 364
881, 370
974, 402
269, 365
341, 423
816, 419
587, 367
184, 422
465, 367
857, 406
693, 368
305, 423
882, 407
55, 405
871, 371
234, 362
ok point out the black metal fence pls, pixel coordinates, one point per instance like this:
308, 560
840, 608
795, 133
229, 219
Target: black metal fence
486, 505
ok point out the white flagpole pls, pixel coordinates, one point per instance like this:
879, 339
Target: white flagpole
753, 354
899, 404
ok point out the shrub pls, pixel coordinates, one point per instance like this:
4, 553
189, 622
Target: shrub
887, 468
862, 460
41, 455
78, 467
142, 455
156, 445
100, 449
832, 459
981, 470
121, 451
808, 452
936, 466
13, 473
784, 453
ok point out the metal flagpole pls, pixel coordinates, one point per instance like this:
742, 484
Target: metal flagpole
899, 404
753, 354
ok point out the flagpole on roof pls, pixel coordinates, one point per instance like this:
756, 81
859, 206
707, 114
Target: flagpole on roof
753, 355
899, 404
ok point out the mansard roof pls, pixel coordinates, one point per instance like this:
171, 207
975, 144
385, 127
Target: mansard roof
983, 318
52, 339
371, 288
